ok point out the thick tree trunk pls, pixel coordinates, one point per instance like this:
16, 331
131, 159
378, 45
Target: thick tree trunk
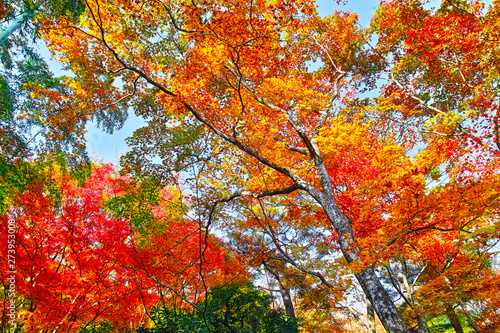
455, 322
382, 303
14, 26
287, 301
422, 326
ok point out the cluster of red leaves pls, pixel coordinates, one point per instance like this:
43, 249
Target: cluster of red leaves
76, 264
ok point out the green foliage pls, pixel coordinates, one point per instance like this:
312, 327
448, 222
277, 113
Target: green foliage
100, 327
174, 140
17, 177
22, 71
234, 308
442, 324
136, 205
6, 99
71, 9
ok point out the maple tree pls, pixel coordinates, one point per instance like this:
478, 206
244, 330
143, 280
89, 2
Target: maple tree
78, 265
257, 99
217, 58
292, 252
439, 74
63, 281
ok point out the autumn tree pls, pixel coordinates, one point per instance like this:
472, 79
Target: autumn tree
83, 257
63, 280
34, 97
229, 89
443, 69
293, 253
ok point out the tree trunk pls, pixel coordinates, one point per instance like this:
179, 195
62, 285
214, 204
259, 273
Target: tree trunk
455, 322
422, 326
382, 303
374, 290
285, 293
285, 296
14, 26
287, 302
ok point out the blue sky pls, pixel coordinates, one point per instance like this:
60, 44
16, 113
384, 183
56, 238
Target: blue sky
110, 147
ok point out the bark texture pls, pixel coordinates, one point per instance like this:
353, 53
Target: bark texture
422, 326
370, 316
455, 322
287, 302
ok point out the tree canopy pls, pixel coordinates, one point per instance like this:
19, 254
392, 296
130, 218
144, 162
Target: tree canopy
346, 166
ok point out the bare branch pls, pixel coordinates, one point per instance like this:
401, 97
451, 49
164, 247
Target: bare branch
172, 19
413, 96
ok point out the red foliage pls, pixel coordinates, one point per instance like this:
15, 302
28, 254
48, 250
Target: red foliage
76, 264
